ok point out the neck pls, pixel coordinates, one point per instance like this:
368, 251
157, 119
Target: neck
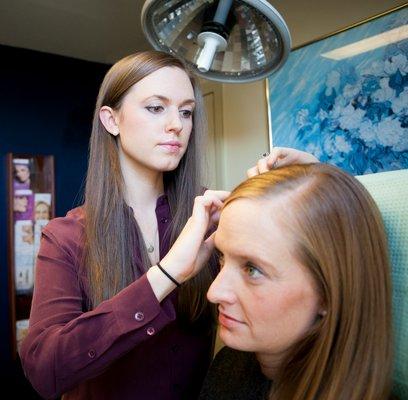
142, 185
270, 364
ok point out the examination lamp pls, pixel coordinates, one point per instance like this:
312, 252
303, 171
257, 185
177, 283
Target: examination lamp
225, 41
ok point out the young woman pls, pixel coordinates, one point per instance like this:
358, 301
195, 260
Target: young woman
304, 293
108, 320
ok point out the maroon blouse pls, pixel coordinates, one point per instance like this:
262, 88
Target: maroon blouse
128, 347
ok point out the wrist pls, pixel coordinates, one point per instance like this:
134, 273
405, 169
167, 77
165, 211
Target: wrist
160, 284
169, 276
170, 267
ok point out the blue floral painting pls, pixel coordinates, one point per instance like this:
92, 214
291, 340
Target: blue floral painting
351, 112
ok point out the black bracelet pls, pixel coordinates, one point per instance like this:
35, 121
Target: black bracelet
167, 274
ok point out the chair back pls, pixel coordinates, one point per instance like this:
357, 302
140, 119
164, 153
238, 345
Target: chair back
390, 192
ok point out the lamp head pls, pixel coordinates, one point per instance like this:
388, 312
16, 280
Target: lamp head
226, 41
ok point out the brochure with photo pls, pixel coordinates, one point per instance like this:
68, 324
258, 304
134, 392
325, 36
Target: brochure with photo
38, 227
23, 205
21, 331
22, 173
42, 206
24, 256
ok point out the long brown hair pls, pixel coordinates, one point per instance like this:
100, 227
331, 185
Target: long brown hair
111, 236
340, 239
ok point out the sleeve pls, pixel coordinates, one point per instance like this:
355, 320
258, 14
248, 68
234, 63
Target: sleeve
65, 346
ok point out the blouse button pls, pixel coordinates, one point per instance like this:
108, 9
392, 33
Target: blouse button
139, 316
164, 220
150, 331
91, 353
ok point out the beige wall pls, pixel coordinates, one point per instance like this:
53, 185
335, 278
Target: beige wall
245, 126
245, 129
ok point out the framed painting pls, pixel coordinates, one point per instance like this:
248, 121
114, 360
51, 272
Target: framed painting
344, 98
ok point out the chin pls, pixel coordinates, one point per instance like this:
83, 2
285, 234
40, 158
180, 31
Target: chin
234, 341
169, 166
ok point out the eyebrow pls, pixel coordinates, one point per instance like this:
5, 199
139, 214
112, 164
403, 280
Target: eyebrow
166, 99
244, 256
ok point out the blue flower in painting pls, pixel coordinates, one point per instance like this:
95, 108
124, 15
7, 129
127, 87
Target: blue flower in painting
369, 85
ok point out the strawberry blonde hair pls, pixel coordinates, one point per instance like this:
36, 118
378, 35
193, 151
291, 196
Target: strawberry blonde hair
339, 237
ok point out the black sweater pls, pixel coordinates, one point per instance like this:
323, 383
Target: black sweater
235, 375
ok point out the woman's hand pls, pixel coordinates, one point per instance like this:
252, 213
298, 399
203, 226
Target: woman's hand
190, 251
280, 157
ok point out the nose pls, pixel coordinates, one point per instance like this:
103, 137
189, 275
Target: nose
174, 124
223, 289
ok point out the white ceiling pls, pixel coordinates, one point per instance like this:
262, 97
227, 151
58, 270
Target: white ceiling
106, 30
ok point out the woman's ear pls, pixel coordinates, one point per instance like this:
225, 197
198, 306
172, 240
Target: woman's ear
108, 118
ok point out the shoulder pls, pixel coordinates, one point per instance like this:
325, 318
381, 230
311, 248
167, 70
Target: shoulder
234, 375
73, 221
68, 231
227, 357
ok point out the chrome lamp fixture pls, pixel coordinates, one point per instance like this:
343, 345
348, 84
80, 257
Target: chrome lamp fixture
225, 40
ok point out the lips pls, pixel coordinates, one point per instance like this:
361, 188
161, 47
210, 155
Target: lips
171, 143
172, 146
228, 321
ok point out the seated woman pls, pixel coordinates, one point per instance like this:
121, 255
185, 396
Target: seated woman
304, 293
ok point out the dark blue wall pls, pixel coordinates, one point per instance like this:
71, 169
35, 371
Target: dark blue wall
46, 107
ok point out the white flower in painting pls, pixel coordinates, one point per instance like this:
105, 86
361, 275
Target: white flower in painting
329, 146
342, 145
351, 117
385, 93
400, 104
362, 100
376, 68
302, 118
389, 132
367, 133
336, 111
351, 91
397, 62
332, 82
314, 149
322, 115
340, 100
402, 145
339, 104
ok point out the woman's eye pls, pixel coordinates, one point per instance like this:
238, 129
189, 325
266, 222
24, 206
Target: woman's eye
186, 113
252, 271
155, 109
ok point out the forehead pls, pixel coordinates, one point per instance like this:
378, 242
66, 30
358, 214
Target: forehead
170, 82
249, 226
